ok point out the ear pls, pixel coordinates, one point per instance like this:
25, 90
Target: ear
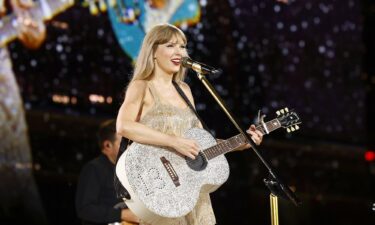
107, 145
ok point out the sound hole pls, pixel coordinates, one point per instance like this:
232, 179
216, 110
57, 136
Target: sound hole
197, 164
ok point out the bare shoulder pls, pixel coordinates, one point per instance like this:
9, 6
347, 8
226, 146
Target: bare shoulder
185, 87
137, 86
136, 90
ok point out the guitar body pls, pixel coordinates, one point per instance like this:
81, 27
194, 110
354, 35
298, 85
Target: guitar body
163, 184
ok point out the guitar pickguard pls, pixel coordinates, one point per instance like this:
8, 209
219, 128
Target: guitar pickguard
197, 164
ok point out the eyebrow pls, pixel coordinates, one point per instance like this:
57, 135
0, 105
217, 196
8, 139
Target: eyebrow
174, 43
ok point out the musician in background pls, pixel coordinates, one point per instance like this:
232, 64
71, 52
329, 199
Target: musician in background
154, 113
95, 196
20, 202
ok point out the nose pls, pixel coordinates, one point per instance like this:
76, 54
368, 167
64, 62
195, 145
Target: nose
179, 50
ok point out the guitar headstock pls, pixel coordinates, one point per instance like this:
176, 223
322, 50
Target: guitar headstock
288, 119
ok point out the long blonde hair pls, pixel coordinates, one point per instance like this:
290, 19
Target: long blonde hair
160, 34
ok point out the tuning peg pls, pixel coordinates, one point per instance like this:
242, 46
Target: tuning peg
286, 109
93, 8
278, 112
297, 127
292, 128
102, 5
282, 111
288, 130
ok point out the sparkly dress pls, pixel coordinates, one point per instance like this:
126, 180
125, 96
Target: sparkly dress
173, 120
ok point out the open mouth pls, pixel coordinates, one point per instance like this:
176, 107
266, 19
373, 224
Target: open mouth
176, 61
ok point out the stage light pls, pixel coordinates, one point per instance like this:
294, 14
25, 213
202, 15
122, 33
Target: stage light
61, 99
369, 156
94, 98
109, 100
74, 100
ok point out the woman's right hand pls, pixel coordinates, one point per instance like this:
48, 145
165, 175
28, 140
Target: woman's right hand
186, 147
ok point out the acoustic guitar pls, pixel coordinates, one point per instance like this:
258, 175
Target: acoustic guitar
163, 184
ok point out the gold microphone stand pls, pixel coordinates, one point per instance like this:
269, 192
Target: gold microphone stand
274, 210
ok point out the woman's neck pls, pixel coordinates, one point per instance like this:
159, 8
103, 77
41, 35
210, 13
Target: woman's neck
162, 77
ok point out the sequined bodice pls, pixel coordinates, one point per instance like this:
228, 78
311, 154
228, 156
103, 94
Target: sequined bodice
167, 118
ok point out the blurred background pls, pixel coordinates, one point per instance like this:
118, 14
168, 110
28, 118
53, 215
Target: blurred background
315, 57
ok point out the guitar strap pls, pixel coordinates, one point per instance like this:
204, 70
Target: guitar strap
182, 94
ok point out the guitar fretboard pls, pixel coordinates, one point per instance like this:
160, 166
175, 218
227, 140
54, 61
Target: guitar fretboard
270, 126
42, 10
238, 140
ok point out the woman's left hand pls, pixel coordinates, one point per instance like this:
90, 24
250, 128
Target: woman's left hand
256, 136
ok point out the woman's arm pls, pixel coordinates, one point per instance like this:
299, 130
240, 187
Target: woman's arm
127, 125
256, 135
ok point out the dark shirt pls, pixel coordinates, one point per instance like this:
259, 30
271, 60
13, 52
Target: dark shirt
95, 196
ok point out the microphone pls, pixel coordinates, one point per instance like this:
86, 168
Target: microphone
198, 67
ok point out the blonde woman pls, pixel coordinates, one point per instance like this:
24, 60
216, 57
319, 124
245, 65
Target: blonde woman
154, 113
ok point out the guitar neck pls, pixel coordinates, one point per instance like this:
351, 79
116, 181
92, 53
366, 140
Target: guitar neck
42, 10
238, 140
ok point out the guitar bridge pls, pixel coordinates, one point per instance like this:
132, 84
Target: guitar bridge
172, 173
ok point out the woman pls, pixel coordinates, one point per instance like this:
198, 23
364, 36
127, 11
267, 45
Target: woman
154, 113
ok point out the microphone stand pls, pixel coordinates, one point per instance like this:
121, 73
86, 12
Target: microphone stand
275, 185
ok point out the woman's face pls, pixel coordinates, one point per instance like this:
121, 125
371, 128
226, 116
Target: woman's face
168, 56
